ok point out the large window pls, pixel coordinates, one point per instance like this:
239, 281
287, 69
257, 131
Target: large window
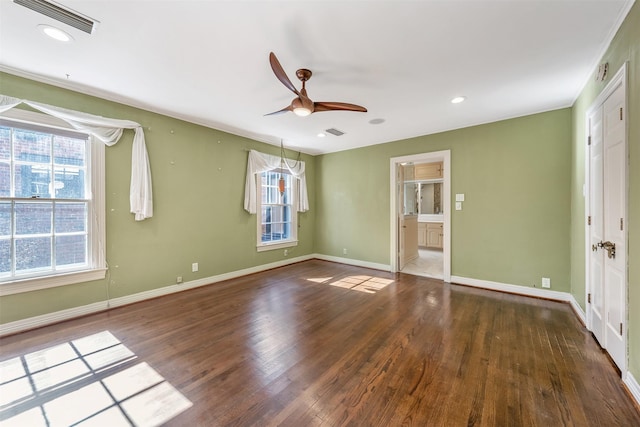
49, 206
277, 218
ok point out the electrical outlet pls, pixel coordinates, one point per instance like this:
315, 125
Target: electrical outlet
194, 267
178, 280
344, 251
286, 252
546, 282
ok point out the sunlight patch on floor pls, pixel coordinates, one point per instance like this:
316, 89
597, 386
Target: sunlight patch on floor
320, 279
88, 381
367, 284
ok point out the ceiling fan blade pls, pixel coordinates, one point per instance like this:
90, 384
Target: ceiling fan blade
330, 106
280, 74
284, 110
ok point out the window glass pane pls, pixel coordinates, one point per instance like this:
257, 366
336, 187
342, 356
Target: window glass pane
5, 180
71, 250
274, 195
266, 214
5, 143
276, 214
277, 231
266, 233
33, 218
70, 217
31, 146
5, 219
32, 180
5, 257
33, 253
69, 151
69, 182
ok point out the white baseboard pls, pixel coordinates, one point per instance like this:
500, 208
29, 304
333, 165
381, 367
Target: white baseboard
633, 386
526, 291
59, 316
515, 289
49, 318
356, 262
578, 310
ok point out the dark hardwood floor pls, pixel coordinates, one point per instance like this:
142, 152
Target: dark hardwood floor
316, 343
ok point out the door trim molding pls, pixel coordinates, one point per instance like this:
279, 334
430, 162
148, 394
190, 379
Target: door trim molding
434, 156
619, 79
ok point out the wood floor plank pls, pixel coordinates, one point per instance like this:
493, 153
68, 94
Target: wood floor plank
322, 344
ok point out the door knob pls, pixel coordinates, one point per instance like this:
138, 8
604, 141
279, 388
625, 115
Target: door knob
610, 247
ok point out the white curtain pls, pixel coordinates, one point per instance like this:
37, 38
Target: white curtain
261, 162
108, 131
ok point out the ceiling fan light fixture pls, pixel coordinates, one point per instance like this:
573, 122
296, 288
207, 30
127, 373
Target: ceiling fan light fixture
301, 111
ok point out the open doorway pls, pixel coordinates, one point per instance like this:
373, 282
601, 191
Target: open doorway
421, 214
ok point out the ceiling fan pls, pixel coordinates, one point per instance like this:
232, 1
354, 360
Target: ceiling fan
302, 105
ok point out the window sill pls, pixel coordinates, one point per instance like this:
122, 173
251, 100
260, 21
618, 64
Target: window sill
280, 245
34, 284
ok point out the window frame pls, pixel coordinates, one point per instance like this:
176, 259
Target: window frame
293, 202
96, 233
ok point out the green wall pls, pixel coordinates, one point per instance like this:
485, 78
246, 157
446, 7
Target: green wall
515, 175
198, 186
625, 47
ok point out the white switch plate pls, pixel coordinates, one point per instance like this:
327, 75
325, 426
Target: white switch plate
546, 282
458, 206
460, 197
194, 267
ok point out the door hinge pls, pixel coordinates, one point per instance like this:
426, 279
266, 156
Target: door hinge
589, 140
589, 298
620, 328
589, 220
621, 224
620, 113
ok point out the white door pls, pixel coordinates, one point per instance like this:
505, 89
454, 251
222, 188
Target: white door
596, 259
607, 208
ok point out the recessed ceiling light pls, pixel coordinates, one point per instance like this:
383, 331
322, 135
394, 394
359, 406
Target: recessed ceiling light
55, 33
458, 99
321, 135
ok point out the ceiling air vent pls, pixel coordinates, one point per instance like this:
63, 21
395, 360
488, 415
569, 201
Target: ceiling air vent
59, 13
334, 131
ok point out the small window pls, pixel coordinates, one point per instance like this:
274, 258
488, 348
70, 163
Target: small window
277, 218
48, 198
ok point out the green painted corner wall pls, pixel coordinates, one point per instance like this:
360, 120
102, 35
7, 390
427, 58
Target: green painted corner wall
198, 186
515, 175
625, 47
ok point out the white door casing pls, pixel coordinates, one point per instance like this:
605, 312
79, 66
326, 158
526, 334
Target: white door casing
607, 211
396, 203
400, 217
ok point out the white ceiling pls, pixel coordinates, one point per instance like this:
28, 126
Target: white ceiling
207, 61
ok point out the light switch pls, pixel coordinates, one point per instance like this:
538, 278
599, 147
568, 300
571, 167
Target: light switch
460, 197
458, 206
